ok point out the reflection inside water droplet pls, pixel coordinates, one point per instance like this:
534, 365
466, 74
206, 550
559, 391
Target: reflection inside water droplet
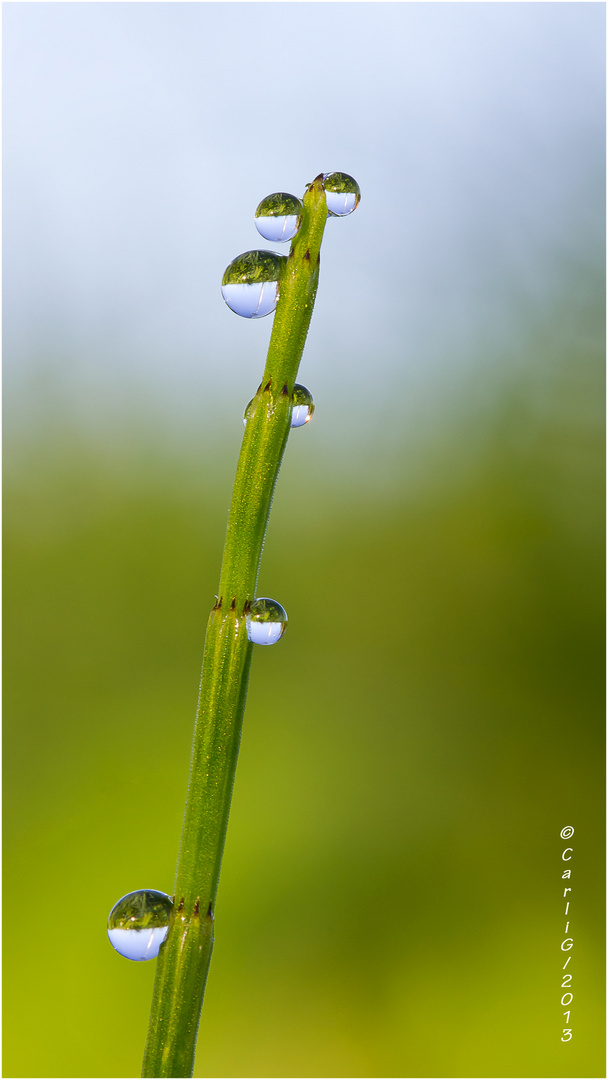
250, 285
302, 409
139, 922
279, 216
266, 621
303, 406
342, 193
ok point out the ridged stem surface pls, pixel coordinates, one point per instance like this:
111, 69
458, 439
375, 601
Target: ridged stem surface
183, 960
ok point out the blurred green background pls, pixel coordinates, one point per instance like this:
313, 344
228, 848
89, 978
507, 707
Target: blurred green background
391, 901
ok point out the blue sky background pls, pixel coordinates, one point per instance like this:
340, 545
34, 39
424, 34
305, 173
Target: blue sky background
139, 138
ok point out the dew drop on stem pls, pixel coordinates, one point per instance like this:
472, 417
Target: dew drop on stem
342, 194
303, 406
279, 216
247, 412
266, 621
302, 403
138, 923
250, 285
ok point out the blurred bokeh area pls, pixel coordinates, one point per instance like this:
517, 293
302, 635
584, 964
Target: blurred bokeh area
392, 901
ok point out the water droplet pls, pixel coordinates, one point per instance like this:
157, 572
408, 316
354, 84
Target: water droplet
138, 923
250, 285
278, 217
246, 413
266, 621
302, 403
303, 406
341, 193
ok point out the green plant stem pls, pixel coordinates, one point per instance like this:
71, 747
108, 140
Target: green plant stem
183, 960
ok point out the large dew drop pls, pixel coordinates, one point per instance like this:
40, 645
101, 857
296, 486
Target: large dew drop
303, 406
279, 217
250, 285
139, 922
302, 403
342, 193
266, 621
